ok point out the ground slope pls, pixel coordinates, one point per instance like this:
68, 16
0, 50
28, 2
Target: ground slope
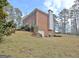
22, 44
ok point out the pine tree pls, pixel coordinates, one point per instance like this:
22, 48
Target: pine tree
2, 17
6, 27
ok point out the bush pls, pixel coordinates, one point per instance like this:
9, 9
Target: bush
1, 37
30, 28
9, 31
2, 18
26, 28
13, 30
9, 28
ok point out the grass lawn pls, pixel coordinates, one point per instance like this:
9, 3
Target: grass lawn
22, 44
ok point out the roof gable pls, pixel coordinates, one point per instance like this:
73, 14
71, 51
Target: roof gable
34, 12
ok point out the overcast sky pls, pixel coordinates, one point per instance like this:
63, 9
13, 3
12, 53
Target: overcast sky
27, 6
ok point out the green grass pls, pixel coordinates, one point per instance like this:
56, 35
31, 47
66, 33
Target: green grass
22, 44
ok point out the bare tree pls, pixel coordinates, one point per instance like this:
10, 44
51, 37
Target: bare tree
74, 15
64, 16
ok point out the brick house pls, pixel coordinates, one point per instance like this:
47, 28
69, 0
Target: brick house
39, 18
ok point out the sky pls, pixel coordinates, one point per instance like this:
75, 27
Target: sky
26, 6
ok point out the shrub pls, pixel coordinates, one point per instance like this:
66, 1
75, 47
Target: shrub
26, 28
9, 28
1, 37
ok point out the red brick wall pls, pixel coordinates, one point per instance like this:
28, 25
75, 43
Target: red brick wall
29, 19
42, 21
40, 18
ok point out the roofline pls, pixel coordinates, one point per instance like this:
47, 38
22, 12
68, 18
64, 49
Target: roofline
36, 9
40, 11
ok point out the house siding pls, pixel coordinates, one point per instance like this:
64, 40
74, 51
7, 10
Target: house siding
40, 18
29, 19
42, 21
